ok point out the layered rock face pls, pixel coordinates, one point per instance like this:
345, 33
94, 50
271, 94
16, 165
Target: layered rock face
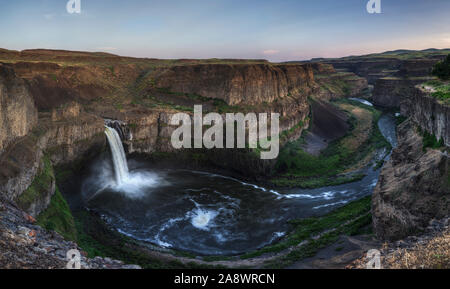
413, 187
389, 92
64, 135
429, 113
392, 90
416, 67
69, 133
338, 85
63, 142
18, 114
237, 84
372, 70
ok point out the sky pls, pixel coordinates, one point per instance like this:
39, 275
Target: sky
277, 30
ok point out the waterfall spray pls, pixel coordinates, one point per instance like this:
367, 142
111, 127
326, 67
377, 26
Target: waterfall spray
118, 155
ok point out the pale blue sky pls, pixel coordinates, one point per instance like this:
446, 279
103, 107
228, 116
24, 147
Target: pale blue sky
276, 30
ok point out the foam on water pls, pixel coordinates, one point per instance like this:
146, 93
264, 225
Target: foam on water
325, 195
202, 219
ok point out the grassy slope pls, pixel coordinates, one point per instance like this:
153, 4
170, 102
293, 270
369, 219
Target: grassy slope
298, 168
441, 90
40, 185
401, 54
351, 217
58, 217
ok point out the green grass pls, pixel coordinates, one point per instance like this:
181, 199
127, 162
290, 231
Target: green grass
442, 90
297, 168
400, 119
40, 186
442, 69
311, 248
442, 95
430, 141
304, 229
315, 182
58, 217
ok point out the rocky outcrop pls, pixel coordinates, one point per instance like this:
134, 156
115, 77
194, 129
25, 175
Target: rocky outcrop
24, 245
18, 166
339, 85
428, 250
322, 68
64, 135
390, 92
18, 114
72, 138
237, 84
394, 79
412, 189
430, 114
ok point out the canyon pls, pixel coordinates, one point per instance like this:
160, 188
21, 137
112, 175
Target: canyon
55, 104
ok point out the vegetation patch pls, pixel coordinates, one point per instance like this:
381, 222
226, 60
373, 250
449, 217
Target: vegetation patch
40, 186
312, 246
305, 229
439, 89
58, 217
400, 119
442, 69
296, 167
430, 140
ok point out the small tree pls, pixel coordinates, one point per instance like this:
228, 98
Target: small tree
442, 69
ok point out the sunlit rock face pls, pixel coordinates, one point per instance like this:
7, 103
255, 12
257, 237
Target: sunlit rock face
237, 84
18, 114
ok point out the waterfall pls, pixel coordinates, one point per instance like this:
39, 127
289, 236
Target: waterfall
118, 155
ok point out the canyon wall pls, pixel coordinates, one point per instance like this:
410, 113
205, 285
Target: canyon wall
63, 135
413, 187
18, 114
389, 92
370, 69
429, 113
398, 84
237, 84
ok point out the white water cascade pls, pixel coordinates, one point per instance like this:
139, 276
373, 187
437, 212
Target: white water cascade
118, 155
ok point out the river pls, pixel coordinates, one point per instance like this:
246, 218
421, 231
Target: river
209, 214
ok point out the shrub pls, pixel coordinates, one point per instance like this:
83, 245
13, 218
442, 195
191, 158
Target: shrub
442, 69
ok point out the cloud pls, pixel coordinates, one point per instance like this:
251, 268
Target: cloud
270, 52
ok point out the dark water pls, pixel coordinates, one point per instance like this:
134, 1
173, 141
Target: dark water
210, 214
